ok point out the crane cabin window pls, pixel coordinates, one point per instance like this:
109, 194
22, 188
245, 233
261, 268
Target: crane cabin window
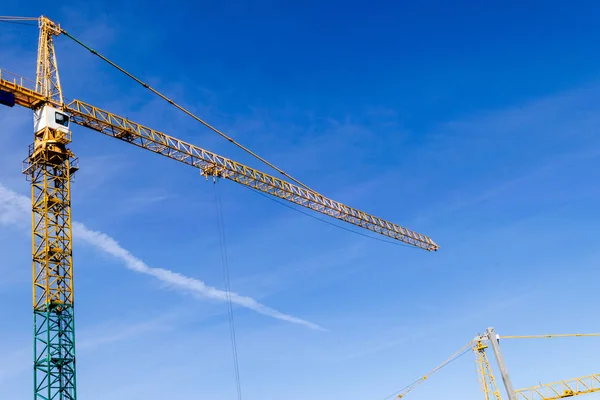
61, 119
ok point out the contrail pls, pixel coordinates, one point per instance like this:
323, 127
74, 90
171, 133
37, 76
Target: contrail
16, 209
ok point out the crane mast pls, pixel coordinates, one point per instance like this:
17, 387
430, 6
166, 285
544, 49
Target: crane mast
484, 371
493, 338
49, 167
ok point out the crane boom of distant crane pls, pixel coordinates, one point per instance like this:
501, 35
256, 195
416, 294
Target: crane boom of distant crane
212, 164
561, 389
548, 391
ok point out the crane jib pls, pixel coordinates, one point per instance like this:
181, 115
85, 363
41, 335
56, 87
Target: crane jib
210, 163
213, 164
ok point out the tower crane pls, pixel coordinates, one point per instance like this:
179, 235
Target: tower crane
49, 167
554, 390
548, 391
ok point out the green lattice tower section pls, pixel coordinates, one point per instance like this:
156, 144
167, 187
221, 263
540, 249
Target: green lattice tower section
49, 167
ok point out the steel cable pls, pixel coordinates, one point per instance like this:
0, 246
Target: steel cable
226, 278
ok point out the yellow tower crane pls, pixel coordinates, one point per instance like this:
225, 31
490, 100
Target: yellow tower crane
560, 389
549, 391
50, 166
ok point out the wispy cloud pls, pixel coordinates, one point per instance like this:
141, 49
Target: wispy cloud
15, 209
176, 280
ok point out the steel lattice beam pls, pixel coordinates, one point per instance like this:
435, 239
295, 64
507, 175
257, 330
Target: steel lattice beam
49, 168
213, 164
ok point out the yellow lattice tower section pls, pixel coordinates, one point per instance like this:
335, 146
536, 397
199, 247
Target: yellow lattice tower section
484, 371
49, 168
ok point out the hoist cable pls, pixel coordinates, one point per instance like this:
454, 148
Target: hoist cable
173, 103
225, 265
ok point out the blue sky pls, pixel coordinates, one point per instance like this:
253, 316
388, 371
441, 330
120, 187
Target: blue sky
476, 125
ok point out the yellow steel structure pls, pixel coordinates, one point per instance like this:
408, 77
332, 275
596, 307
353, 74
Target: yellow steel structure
210, 163
561, 389
47, 79
484, 371
555, 390
550, 391
50, 166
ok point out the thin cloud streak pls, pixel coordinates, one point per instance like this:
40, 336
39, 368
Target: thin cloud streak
174, 279
15, 208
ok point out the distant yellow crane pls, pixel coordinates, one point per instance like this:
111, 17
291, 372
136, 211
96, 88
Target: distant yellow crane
550, 391
50, 166
560, 389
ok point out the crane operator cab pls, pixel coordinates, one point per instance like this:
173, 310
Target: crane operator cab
52, 118
57, 136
